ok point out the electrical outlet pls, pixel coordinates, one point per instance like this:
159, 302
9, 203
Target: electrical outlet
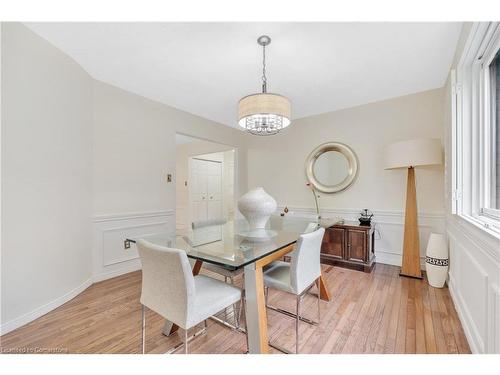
169, 177
126, 244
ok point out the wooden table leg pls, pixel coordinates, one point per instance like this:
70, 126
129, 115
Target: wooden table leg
324, 294
169, 327
197, 267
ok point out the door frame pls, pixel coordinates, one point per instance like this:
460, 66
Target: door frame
236, 172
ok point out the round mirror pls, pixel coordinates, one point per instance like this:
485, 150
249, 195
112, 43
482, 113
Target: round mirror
331, 167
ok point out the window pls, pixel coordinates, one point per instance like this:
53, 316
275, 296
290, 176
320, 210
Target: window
493, 96
476, 136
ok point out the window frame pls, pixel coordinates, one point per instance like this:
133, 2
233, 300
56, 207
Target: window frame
472, 143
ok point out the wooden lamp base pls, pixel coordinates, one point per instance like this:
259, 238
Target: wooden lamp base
411, 243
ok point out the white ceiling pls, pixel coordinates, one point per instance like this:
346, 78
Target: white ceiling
205, 68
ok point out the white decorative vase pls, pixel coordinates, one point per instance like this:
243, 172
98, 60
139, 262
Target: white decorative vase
257, 206
436, 260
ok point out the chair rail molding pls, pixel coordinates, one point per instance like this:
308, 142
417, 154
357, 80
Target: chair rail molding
110, 258
389, 226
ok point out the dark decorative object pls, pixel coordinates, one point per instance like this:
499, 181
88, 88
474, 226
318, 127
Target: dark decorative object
365, 218
285, 211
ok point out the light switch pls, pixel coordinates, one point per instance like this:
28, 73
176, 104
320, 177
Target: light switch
169, 177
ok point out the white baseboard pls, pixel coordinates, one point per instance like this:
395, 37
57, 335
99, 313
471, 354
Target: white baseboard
130, 266
393, 259
42, 310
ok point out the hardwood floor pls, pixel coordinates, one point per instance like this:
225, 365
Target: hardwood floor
378, 312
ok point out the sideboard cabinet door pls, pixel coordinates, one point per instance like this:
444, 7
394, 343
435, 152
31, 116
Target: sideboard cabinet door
333, 243
356, 245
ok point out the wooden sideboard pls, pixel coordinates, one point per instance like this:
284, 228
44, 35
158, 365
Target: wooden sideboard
349, 245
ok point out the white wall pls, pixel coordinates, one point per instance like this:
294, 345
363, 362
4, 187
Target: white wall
133, 142
474, 275
277, 164
84, 165
46, 177
134, 150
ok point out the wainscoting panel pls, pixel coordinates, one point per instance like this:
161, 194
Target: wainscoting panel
181, 217
474, 280
110, 258
389, 229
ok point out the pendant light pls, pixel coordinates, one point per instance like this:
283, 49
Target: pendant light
264, 113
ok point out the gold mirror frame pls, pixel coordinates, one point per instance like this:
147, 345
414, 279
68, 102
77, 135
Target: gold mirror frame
352, 162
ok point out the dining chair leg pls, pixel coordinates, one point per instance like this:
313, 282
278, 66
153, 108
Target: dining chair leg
297, 319
238, 320
186, 341
143, 330
235, 314
243, 304
225, 310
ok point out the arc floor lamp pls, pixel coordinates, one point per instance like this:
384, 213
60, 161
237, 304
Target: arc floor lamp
410, 154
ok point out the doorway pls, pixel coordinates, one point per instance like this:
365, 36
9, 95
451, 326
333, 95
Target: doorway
205, 181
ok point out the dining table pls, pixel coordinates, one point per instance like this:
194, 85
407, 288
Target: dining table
233, 245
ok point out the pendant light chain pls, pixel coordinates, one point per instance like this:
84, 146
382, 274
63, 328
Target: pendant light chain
264, 78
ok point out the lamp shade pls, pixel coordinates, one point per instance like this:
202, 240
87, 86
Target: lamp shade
264, 113
413, 153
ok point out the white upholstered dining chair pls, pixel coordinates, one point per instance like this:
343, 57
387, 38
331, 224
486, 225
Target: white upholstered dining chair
297, 277
170, 289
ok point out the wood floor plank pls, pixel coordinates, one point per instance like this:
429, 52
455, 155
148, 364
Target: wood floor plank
390, 341
420, 347
363, 317
429, 331
451, 344
401, 331
383, 329
436, 322
368, 312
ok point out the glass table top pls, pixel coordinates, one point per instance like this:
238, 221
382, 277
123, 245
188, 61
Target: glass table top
232, 245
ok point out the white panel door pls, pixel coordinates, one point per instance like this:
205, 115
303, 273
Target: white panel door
198, 191
214, 190
206, 190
